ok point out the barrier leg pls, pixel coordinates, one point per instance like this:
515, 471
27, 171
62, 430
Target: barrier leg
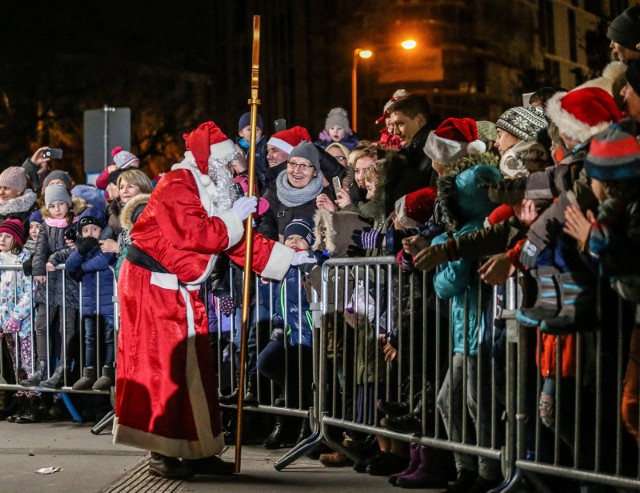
104, 423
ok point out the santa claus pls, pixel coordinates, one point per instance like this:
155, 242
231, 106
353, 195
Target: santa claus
166, 392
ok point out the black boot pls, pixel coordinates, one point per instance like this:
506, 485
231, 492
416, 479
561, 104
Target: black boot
251, 395
168, 467
39, 373
56, 380
231, 398
277, 437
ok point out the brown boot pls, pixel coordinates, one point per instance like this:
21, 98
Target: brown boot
168, 467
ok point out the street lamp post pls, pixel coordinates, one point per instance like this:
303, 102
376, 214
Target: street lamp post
357, 54
408, 44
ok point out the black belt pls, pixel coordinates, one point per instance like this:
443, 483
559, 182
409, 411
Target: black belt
144, 260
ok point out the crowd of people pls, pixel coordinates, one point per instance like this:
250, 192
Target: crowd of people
549, 189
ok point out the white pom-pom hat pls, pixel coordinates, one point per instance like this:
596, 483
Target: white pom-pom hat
454, 138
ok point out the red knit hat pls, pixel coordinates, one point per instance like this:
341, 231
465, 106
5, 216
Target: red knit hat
583, 112
398, 94
416, 208
453, 139
286, 140
209, 141
15, 228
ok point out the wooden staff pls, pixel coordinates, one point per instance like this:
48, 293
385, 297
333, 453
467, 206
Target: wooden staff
246, 289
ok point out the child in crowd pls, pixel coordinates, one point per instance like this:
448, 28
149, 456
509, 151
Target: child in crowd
122, 160
35, 223
466, 204
291, 340
243, 140
15, 289
91, 266
59, 215
337, 129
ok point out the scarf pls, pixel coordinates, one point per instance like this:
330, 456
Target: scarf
293, 197
56, 223
19, 204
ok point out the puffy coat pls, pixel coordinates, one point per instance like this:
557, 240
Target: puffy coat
458, 280
97, 277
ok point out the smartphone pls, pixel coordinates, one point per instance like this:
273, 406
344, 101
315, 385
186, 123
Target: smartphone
52, 153
336, 183
280, 124
70, 233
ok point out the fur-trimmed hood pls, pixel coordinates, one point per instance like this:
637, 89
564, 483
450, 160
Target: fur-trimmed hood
132, 210
466, 162
333, 231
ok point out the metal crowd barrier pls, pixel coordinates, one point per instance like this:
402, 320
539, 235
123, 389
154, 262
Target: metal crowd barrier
19, 352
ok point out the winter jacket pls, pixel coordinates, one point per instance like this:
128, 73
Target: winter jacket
291, 308
350, 140
458, 280
36, 179
261, 157
15, 293
128, 216
97, 277
546, 356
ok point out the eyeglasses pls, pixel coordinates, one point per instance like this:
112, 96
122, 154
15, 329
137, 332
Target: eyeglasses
302, 166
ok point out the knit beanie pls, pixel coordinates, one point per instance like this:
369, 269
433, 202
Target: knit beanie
522, 122
57, 174
301, 226
337, 117
286, 140
124, 159
633, 74
613, 155
583, 112
36, 217
89, 219
487, 132
15, 228
453, 139
14, 177
625, 29
307, 150
55, 193
245, 121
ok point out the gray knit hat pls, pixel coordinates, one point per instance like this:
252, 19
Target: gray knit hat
57, 174
56, 192
523, 122
307, 150
625, 29
14, 177
337, 117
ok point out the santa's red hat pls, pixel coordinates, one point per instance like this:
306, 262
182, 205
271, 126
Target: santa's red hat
398, 94
286, 140
209, 141
583, 112
453, 139
416, 208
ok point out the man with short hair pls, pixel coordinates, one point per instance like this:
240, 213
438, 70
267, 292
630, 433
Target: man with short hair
409, 117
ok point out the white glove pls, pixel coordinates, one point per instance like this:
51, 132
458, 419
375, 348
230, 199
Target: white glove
300, 258
245, 206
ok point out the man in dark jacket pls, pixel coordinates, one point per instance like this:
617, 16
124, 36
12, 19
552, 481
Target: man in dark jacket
409, 118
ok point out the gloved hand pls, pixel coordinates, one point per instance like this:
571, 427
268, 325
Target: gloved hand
405, 261
354, 251
226, 304
85, 245
367, 238
529, 255
431, 257
321, 257
245, 206
300, 258
12, 326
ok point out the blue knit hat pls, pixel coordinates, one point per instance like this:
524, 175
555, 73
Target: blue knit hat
613, 155
36, 217
301, 226
245, 120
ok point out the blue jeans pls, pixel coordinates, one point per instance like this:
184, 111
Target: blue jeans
90, 336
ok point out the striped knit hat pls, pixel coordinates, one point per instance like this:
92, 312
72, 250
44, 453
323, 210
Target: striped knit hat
613, 155
301, 226
523, 122
15, 228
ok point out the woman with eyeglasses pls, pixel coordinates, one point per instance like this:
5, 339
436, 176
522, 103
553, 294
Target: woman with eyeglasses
298, 186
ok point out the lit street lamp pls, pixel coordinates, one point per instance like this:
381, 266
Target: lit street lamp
408, 44
357, 54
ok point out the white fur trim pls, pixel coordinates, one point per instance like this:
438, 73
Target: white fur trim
568, 124
164, 280
278, 263
235, 228
610, 73
280, 144
476, 148
443, 151
222, 149
206, 188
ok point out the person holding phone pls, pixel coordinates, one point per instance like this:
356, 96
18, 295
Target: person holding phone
37, 166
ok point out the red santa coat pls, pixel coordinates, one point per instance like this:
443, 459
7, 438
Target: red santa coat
166, 386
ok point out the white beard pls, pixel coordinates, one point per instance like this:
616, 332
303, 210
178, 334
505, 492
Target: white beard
222, 195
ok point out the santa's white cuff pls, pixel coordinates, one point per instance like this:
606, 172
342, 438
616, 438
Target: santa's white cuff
235, 227
278, 263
